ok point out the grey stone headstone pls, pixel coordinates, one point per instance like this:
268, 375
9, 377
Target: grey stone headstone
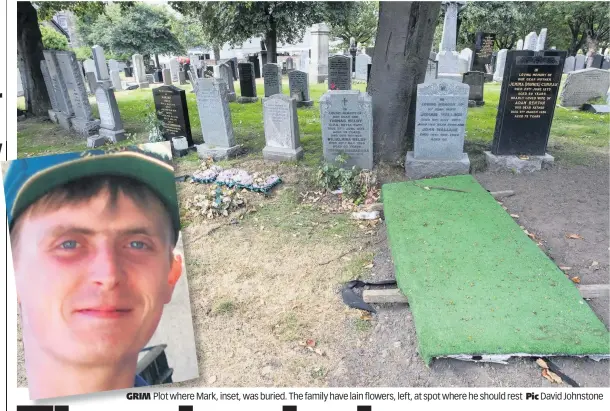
431, 71
606, 64
49, 85
111, 126
101, 69
347, 127
569, 64
226, 74
298, 84
89, 66
83, 123
362, 62
440, 120
541, 40
500, 63
138, 71
115, 77
167, 77
475, 80
272, 75
304, 61
339, 73
448, 61
215, 119
520, 44
281, 129
150, 78
596, 108
182, 77
530, 41
114, 65
91, 82
580, 61
466, 54
289, 63
59, 85
581, 86
174, 67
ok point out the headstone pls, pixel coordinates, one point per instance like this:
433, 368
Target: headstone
150, 78
111, 126
89, 66
180, 146
483, 49
448, 58
527, 102
596, 108
569, 64
64, 104
541, 40
50, 91
596, 61
606, 64
172, 111
520, 44
233, 64
255, 65
580, 61
215, 118
182, 78
91, 82
82, 122
448, 62
318, 71
362, 62
139, 72
431, 71
247, 83
273, 79
281, 128
158, 76
476, 81
304, 61
128, 71
101, 69
500, 62
116, 80
368, 72
289, 63
462, 65
113, 65
440, 124
339, 73
467, 55
174, 67
227, 75
347, 127
581, 86
530, 41
298, 83
167, 77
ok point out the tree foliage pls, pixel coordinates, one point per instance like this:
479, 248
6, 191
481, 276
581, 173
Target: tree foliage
52, 40
189, 32
360, 24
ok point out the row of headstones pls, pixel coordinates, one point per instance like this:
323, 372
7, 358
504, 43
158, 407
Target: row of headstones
580, 61
70, 108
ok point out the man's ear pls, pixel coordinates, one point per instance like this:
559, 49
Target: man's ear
174, 275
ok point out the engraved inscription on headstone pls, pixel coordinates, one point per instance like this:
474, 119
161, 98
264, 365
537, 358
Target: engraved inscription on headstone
111, 126
272, 79
339, 73
582, 86
483, 49
172, 111
298, 83
281, 129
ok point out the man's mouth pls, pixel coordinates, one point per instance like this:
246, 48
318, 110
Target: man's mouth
105, 312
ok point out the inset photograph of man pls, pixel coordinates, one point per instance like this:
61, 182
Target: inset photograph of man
97, 255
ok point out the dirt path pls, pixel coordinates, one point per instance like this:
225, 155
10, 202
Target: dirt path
550, 204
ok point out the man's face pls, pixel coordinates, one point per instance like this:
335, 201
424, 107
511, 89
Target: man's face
92, 280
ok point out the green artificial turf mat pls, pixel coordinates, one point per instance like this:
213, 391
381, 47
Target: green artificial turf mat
475, 282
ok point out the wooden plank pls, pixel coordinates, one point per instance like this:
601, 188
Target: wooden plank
394, 295
594, 290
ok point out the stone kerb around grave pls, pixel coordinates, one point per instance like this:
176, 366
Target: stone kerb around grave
440, 123
281, 123
346, 117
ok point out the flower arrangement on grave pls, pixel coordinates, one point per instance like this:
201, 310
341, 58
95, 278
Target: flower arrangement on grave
154, 126
332, 86
215, 202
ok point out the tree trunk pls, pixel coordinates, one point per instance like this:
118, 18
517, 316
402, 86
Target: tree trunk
271, 41
402, 47
216, 50
29, 55
157, 61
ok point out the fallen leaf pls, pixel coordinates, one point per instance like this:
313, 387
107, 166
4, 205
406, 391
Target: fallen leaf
368, 266
551, 376
576, 280
564, 268
366, 316
310, 343
542, 363
514, 215
574, 236
212, 379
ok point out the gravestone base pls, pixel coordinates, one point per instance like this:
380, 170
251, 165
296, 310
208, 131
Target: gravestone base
95, 141
246, 100
596, 108
111, 135
476, 103
308, 103
231, 97
105, 83
53, 116
217, 153
416, 169
85, 128
144, 84
180, 146
282, 154
515, 164
451, 76
63, 120
489, 78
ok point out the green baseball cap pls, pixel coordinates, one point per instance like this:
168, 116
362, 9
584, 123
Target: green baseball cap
29, 179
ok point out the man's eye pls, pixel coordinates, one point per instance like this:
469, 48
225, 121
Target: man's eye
68, 245
137, 245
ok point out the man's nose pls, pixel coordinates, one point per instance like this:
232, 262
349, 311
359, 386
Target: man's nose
106, 269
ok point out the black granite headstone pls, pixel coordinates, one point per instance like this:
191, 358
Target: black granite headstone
128, 71
530, 86
172, 110
256, 63
483, 50
158, 76
368, 71
476, 80
246, 79
598, 61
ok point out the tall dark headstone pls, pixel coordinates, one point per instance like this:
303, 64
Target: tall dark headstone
339, 73
256, 63
483, 50
247, 83
368, 71
172, 110
597, 61
476, 81
530, 86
